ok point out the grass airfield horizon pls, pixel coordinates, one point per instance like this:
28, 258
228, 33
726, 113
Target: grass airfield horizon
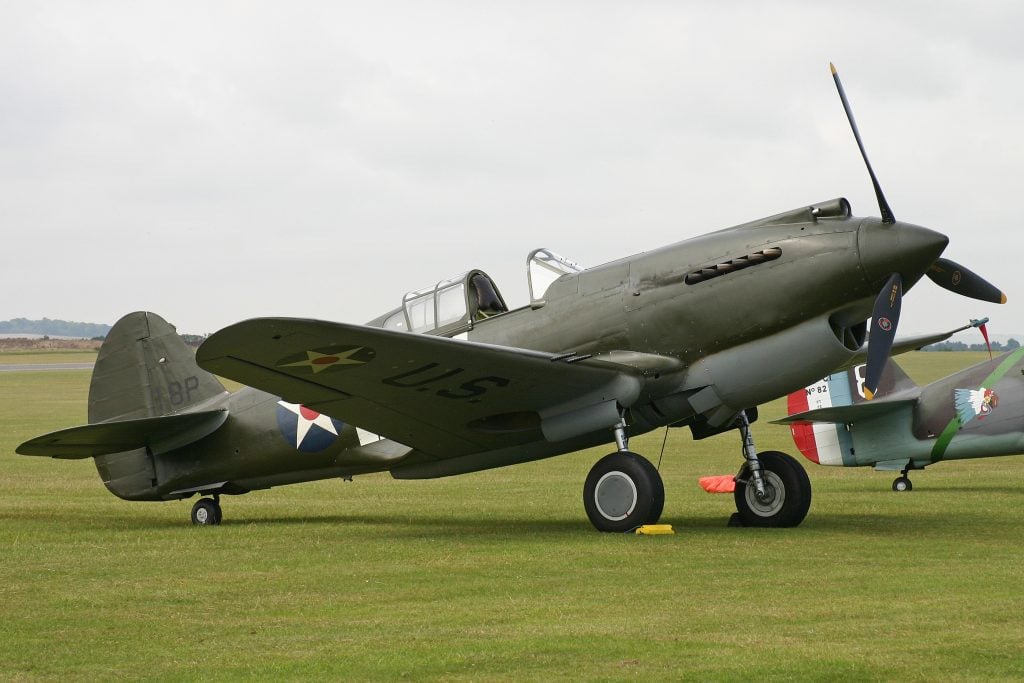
499, 575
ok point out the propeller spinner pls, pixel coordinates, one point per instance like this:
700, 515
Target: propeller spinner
943, 272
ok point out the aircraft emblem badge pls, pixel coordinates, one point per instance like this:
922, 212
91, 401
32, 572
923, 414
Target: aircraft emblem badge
305, 429
329, 358
972, 403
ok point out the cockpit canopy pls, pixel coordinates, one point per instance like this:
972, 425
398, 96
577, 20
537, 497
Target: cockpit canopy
454, 305
543, 267
448, 307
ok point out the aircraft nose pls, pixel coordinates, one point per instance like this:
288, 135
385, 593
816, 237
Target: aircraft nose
897, 248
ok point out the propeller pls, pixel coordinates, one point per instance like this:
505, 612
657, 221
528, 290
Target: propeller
954, 277
885, 316
943, 272
883, 205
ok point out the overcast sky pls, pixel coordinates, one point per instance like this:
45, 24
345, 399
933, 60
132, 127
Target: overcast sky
219, 161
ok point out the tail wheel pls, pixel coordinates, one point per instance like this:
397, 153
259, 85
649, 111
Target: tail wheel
623, 491
900, 484
787, 493
206, 512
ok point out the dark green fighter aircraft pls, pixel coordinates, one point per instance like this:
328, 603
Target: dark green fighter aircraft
693, 334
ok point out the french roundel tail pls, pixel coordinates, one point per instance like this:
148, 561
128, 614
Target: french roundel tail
818, 442
817, 414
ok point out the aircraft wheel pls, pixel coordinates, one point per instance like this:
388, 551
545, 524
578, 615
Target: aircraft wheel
902, 484
623, 491
206, 512
788, 493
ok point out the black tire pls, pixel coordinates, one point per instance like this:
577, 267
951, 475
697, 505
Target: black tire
902, 484
206, 512
623, 491
789, 492
220, 513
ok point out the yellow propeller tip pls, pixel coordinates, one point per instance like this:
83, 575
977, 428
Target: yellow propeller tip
1002, 298
868, 394
832, 67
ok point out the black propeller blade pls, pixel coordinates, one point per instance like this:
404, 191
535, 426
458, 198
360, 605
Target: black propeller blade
954, 277
885, 316
943, 272
883, 206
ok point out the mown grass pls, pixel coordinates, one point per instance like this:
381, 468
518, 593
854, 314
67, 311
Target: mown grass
498, 575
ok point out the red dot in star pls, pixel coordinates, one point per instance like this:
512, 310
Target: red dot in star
307, 413
325, 360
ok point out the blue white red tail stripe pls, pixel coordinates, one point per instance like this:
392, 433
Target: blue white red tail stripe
825, 443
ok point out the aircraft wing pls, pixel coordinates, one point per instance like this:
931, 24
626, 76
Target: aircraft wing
444, 397
905, 344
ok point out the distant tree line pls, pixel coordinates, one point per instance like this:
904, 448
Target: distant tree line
64, 328
55, 328
1010, 345
193, 340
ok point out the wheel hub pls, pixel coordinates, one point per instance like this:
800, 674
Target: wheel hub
615, 496
773, 499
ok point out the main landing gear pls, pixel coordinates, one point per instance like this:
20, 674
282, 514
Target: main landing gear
772, 489
207, 511
623, 490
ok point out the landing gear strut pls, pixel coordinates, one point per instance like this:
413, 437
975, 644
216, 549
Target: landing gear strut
772, 489
623, 490
207, 511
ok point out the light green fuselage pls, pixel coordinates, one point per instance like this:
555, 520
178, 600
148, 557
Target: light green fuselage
931, 430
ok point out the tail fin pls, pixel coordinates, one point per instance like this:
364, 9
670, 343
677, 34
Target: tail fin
144, 369
828, 442
147, 396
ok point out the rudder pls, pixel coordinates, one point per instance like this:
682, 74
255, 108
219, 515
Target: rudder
830, 443
144, 369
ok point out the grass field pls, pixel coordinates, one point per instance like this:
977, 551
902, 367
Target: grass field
61, 356
499, 576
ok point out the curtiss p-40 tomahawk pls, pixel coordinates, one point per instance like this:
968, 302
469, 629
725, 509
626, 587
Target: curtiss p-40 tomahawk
693, 334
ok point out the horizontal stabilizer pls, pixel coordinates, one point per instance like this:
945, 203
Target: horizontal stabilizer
159, 434
848, 414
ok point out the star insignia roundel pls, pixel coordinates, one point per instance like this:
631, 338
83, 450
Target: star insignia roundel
328, 358
305, 429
